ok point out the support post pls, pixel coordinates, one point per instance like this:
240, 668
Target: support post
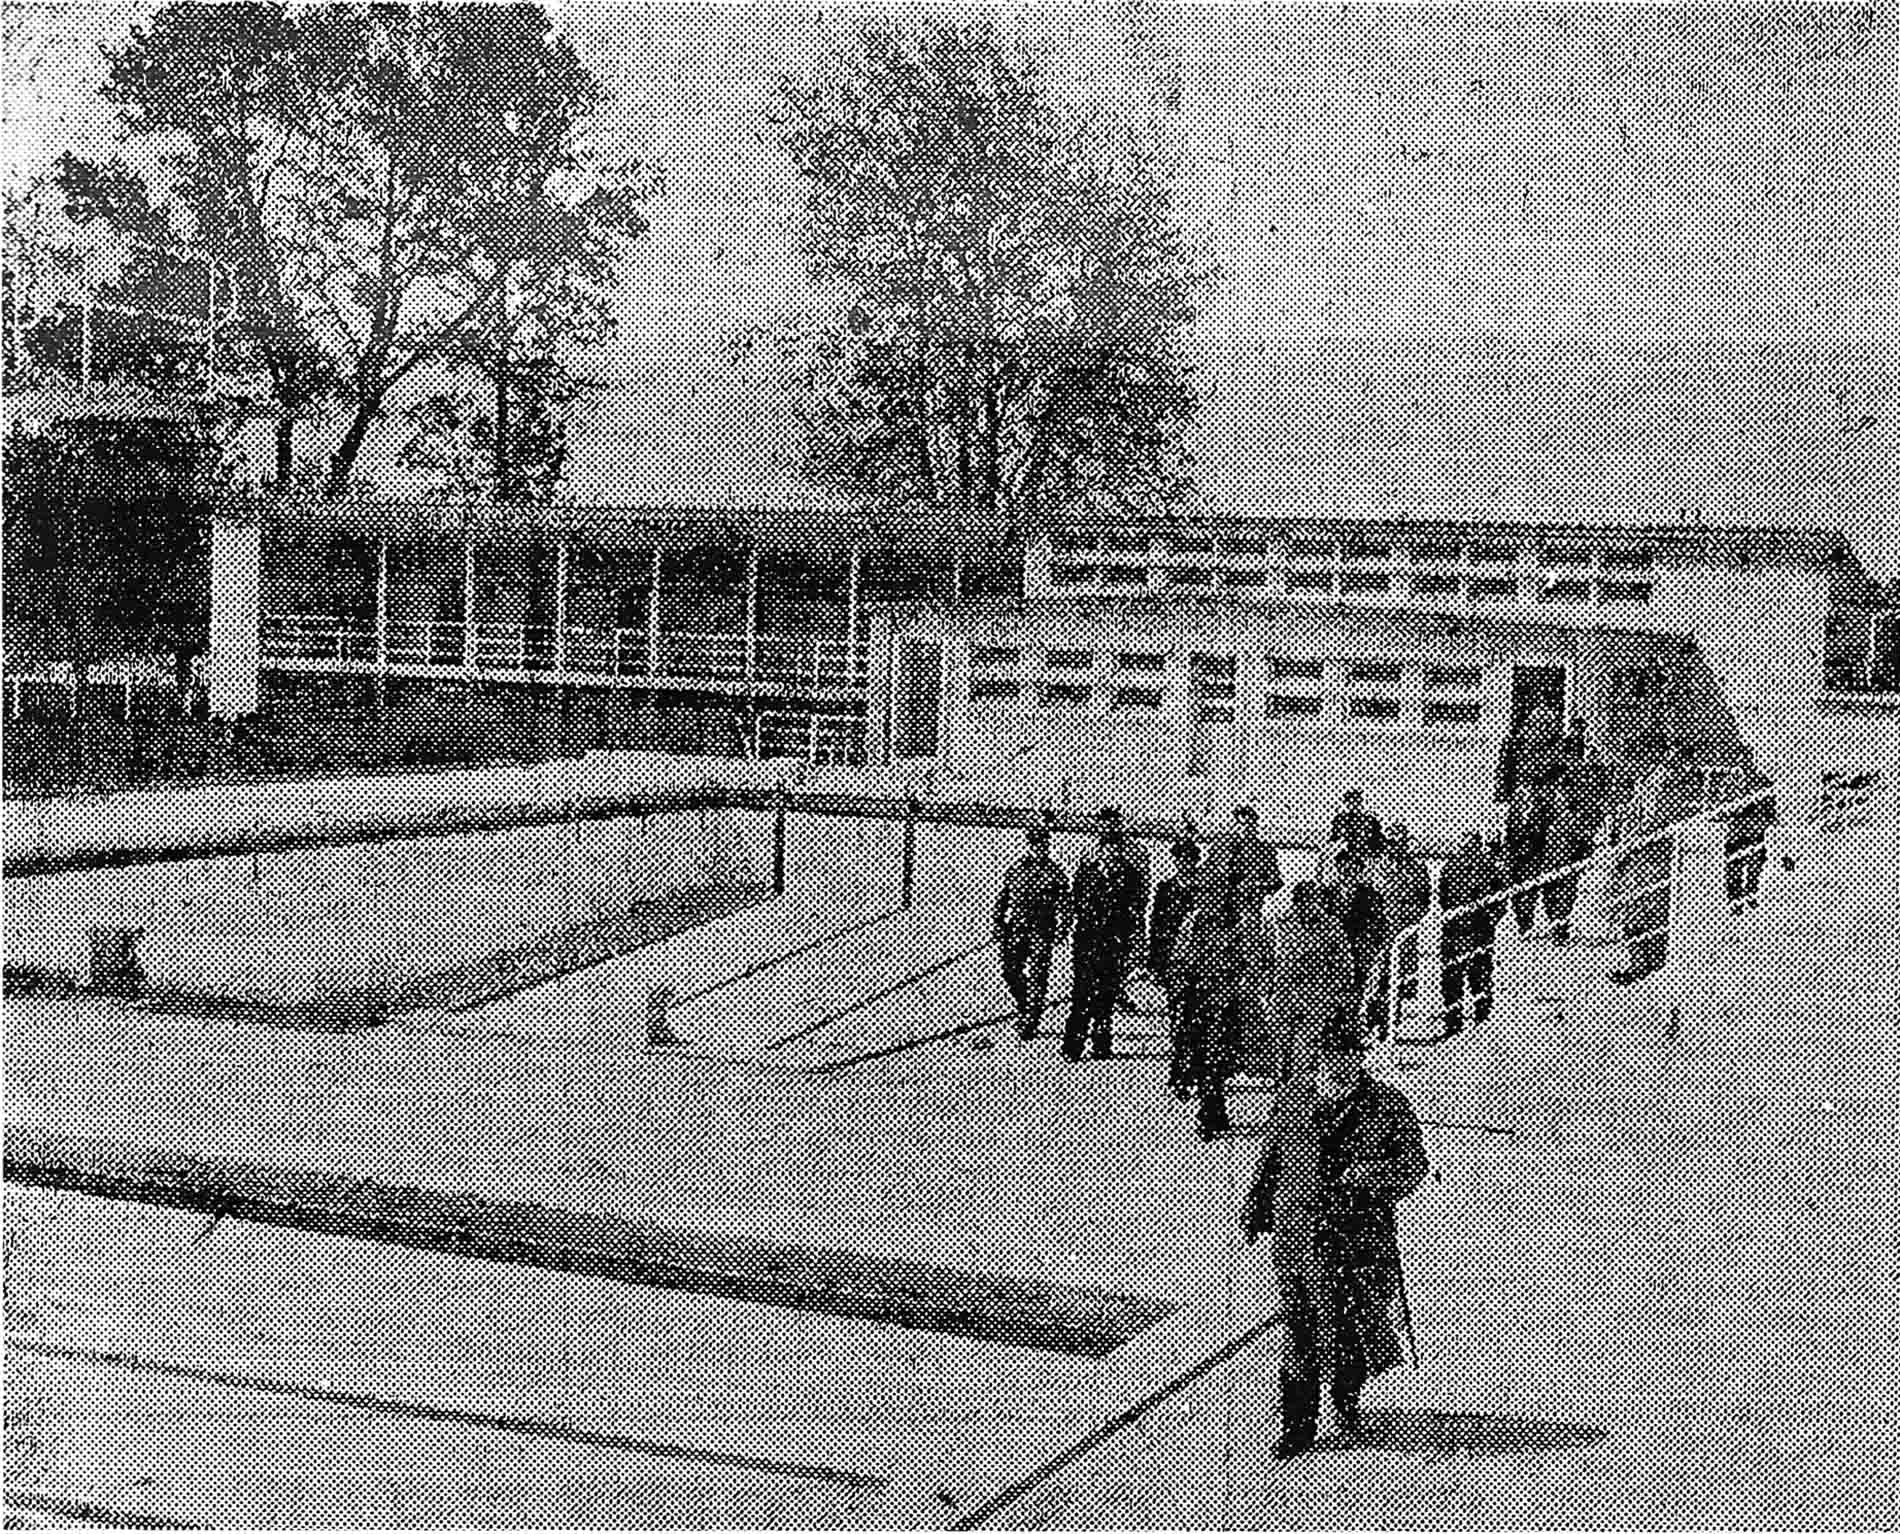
910, 848
851, 611
752, 618
560, 608
382, 613
468, 601
653, 617
778, 841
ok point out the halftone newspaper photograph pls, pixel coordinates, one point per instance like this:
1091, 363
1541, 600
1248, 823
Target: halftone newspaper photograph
1047, 764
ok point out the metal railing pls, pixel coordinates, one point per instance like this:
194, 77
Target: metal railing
808, 735
769, 662
1626, 896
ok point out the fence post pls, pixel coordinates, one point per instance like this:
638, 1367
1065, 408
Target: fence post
778, 839
910, 847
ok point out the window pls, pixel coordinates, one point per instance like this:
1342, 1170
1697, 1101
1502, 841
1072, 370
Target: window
1070, 660
1626, 591
996, 656
1310, 580
1460, 714
1135, 697
1311, 549
1493, 554
1493, 589
1124, 575
1364, 551
1189, 543
1562, 556
1434, 585
1291, 706
1214, 665
1246, 548
1565, 591
1142, 662
1298, 670
987, 689
1435, 553
1072, 575
1127, 542
1385, 673
1364, 582
1210, 687
1372, 708
1453, 678
1062, 695
1191, 575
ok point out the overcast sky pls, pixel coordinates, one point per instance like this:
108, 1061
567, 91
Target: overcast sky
1684, 188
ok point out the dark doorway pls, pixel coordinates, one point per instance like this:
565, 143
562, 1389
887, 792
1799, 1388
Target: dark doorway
916, 696
1535, 688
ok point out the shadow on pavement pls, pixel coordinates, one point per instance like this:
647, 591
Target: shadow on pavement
1472, 1435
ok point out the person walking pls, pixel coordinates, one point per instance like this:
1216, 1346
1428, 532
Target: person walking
1243, 865
1541, 836
1105, 899
1362, 914
1212, 972
1173, 901
1028, 920
1341, 1151
1353, 829
1466, 887
1309, 979
1407, 887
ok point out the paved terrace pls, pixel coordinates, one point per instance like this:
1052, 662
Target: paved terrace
1647, 1304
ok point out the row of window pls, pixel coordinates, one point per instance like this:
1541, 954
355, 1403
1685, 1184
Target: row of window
1286, 707
1213, 673
1328, 584
1294, 550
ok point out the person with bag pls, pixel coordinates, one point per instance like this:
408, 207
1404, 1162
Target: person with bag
1341, 1151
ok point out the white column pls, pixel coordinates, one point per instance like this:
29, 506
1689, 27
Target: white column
560, 605
233, 657
653, 617
468, 601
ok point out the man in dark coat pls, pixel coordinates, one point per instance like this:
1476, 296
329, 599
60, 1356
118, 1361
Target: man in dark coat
1106, 899
1031, 913
1466, 884
1542, 835
1174, 898
1645, 868
1361, 910
1341, 1150
1310, 979
1215, 964
1240, 864
1352, 828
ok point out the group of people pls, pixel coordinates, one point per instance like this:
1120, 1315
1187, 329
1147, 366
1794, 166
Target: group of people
1244, 992
1273, 997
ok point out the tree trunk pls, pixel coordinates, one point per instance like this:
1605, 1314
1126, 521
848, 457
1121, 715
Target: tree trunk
286, 431
501, 387
343, 461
